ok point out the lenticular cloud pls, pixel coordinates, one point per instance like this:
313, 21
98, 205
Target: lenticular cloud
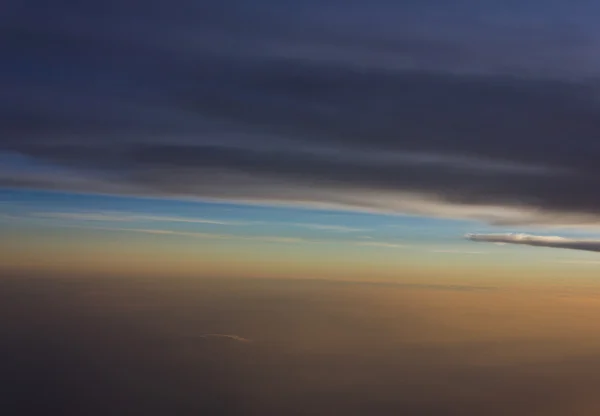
537, 241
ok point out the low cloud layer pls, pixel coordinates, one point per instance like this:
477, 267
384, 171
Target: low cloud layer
321, 348
537, 241
399, 107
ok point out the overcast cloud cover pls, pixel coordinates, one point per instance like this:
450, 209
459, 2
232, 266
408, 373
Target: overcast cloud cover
466, 109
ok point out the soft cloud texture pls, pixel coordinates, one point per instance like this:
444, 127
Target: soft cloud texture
538, 241
118, 216
333, 228
415, 107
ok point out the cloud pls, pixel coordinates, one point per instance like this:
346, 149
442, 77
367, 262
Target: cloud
226, 336
122, 217
538, 241
334, 228
118, 216
263, 238
380, 244
255, 238
579, 262
441, 251
319, 105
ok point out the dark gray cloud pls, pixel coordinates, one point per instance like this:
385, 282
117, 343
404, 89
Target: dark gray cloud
538, 241
490, 113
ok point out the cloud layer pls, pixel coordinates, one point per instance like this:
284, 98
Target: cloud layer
538, 241
320, 347
490, 113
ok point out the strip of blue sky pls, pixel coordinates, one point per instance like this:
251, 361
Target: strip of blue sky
30, 209
118, 211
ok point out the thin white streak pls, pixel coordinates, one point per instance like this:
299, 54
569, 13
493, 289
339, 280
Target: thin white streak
324, 227
120, 217
271, 239
268, 239
457, 252
380, 244
582, 262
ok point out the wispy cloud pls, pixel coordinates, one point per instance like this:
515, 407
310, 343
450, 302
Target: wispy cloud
444, 251
380, 244
223, 236
125, 217
271, 239
213, 236
334, 228
268, 239
84, 216
118, 216
187, 220
226, 336
580, 262
538, 241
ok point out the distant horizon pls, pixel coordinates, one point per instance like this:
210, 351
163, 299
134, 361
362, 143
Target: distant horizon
74, 232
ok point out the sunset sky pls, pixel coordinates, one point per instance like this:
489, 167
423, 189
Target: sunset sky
286, 138
76, 233
300, 207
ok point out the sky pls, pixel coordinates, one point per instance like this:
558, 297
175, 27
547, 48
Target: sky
316, 138
300, 207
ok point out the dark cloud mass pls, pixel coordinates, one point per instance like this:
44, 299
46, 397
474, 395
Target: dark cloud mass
473, 110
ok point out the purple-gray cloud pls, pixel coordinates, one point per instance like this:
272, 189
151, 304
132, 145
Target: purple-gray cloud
418, 107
